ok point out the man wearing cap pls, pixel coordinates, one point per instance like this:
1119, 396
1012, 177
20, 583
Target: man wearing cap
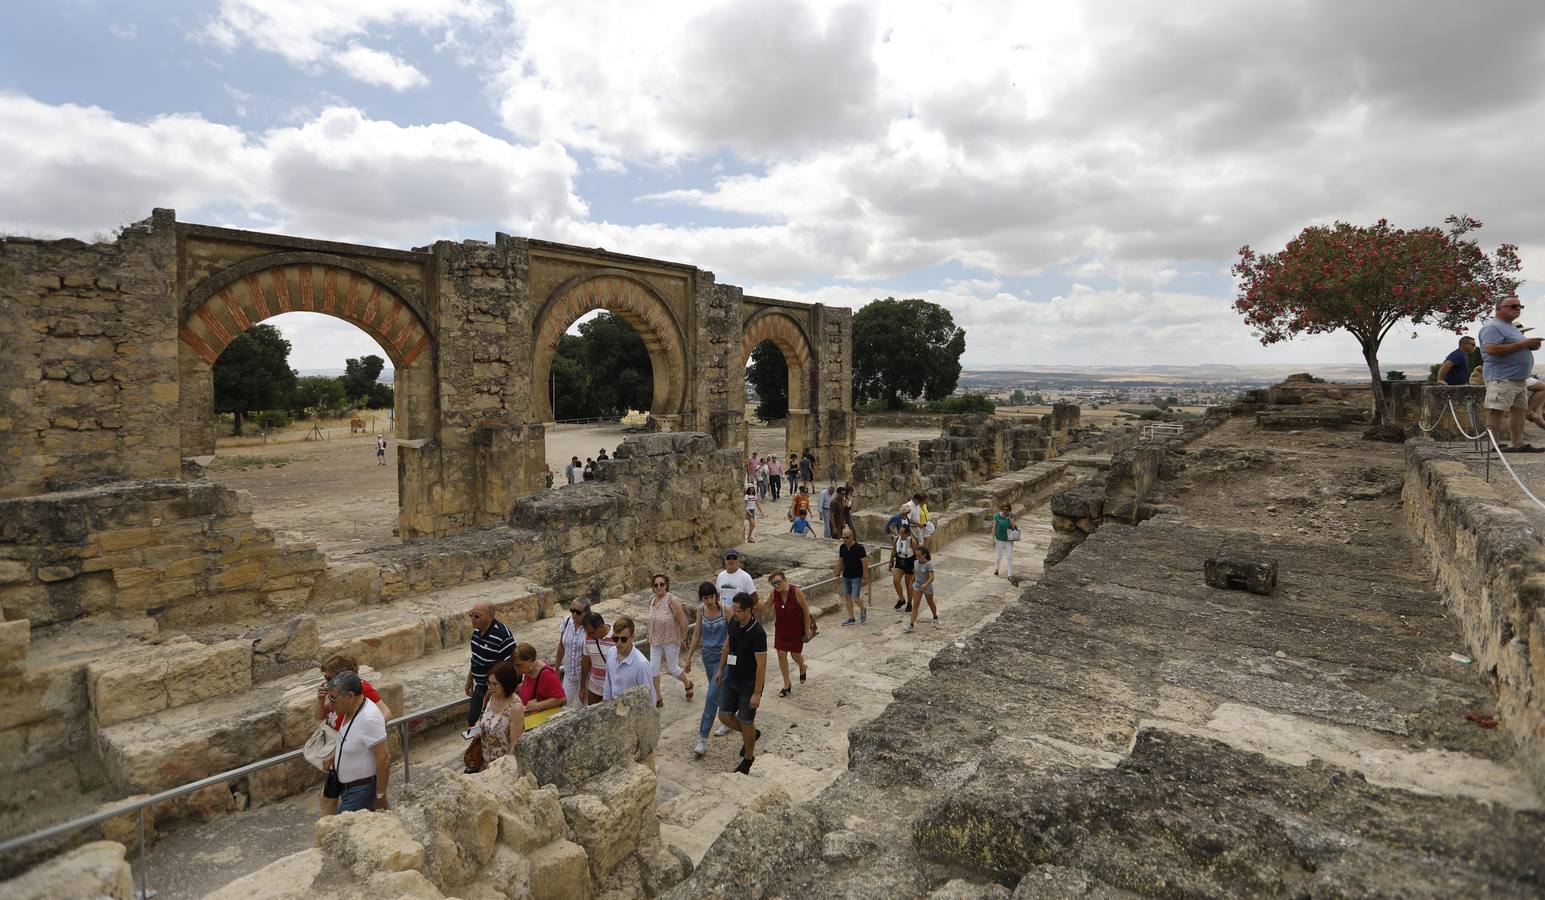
1507, 358
734, 580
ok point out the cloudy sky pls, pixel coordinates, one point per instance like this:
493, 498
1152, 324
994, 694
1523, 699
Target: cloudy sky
1072, 180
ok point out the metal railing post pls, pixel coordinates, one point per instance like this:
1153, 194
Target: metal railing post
407, 755
145, 892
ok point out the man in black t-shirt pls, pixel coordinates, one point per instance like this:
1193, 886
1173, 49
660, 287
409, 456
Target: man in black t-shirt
853, 567
742, 671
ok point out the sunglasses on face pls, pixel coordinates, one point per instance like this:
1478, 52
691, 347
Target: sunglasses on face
659, 584
623, 638
576, 611
777, 584
1512, 306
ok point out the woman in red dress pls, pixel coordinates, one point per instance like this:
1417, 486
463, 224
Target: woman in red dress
792, 626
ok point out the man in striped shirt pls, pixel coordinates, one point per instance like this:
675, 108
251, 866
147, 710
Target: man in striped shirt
491, 643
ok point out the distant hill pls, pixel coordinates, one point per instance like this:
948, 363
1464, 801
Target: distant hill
388, 374
1206, 373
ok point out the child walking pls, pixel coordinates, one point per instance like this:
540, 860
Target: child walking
753, 506
922, 587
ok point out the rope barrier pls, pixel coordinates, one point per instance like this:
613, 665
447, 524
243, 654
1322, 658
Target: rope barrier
1468, 436
1492, 438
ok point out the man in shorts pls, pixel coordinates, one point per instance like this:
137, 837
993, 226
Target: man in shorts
853, 567
742, 672
1507, 358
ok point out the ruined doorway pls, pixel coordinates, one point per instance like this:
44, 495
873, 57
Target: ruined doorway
601, 387
226, 307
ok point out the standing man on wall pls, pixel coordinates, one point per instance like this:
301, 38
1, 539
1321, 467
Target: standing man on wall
572, 470
491, 643
1456, 366
1507, 360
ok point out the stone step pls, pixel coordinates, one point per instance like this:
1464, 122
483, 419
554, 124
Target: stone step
179, 745
122, 687
181, 710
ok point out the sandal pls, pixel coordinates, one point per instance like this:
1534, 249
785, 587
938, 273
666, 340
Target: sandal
801, 676
689, 690
659, 703
1526, 448
784, 692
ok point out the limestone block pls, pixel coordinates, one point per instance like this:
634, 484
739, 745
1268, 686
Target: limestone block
131, 685
508, 874
366, 843
608, 813
97, 869
38, 694
14, 571
290, 877
560, 871
528, 816
125, 828
572, 748
14, 639
290, 646
456, 818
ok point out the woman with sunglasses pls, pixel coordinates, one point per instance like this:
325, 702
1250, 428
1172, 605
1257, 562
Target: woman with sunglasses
626, 667
667, 621
570, 655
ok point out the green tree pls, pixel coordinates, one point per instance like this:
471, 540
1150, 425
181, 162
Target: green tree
359, 375
318, 393
769, 377
621, 376
253, 373
1018, 398
905, 349
569, 382
1367, 279
380, 396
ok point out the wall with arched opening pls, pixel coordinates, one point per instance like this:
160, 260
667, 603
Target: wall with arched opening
107, 374
645, 311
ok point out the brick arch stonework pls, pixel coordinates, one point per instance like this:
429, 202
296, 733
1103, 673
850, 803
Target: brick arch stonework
237, 301
789, 337
637, 304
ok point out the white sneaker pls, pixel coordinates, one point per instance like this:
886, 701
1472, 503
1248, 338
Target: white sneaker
935, 620
701, 748
907, 628
721, 730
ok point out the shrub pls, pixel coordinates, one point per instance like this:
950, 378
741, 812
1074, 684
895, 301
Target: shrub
272, 418
963, 403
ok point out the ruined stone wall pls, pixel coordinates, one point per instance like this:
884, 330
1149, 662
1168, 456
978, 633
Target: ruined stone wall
1490, 567
1121, 495
88, 373
664, 502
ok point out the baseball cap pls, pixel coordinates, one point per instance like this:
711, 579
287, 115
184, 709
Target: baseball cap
732, 553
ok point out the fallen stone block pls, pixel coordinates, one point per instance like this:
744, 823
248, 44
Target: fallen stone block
607, 815
560, 871
1238, 573
365, 843
96, 869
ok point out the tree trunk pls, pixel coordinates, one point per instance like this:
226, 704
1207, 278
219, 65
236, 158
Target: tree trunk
1380, 402
237, 418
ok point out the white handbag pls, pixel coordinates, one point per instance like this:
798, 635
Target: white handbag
321, 746
1013, 534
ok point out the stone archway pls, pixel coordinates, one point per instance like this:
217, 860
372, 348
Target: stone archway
789, 337
632, 299
229, 303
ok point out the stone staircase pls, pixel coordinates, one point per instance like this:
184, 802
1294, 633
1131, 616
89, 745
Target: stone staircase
165, 709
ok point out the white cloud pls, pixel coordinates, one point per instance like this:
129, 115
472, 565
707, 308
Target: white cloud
78, 170
379, 67
308, 33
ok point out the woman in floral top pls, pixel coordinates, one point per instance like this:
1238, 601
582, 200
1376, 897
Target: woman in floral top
667, 622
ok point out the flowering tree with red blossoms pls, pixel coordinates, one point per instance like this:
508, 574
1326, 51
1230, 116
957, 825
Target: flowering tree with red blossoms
1367, 279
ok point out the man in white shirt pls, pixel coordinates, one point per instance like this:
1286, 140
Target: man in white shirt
733, 579
361, 761
626, 666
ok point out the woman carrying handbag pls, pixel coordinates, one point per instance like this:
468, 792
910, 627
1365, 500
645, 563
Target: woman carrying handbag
1005, 532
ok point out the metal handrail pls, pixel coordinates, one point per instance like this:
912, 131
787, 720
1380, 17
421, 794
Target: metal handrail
139, 806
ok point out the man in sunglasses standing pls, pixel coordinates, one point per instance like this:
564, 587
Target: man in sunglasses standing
571, 651
1507, 360
626, 666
